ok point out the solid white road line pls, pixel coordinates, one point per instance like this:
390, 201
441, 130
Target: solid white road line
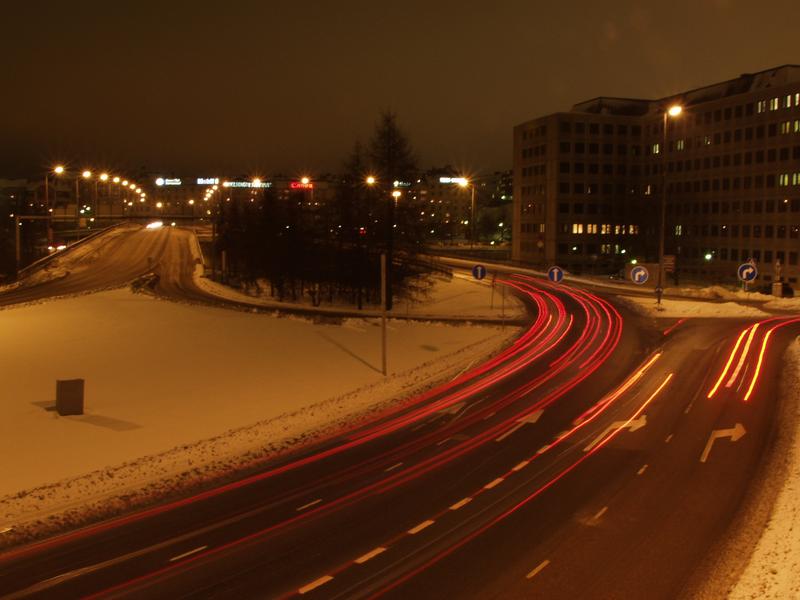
420, 527
314, 584
189, 553
369, 555
536, 571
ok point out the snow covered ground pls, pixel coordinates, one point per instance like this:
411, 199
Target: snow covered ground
773, 572
671, 308
460, 297
178, 393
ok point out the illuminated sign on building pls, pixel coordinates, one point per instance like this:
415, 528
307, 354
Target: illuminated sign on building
458, 180
207, 180
299, 185
161, 181
247, 184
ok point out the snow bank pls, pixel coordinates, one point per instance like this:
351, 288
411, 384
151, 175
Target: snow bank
671, 308
773, 572
182, 386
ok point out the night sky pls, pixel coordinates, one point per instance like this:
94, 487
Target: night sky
261, 87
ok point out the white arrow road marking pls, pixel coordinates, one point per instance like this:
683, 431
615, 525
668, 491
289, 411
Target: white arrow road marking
735, 433
531, 418
632, 426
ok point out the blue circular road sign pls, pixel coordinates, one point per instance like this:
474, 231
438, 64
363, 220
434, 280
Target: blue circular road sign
747, 272
639, 275
479, 272
555, 274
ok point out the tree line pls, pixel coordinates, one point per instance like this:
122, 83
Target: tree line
329, 249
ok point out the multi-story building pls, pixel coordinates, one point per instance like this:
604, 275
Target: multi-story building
589, 183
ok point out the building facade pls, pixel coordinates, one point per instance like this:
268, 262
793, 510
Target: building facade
589, 183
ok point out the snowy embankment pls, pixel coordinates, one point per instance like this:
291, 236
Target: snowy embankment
178, 395
773, 571
671, 308
457, 298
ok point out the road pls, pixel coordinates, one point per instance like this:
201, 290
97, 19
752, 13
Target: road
594, 458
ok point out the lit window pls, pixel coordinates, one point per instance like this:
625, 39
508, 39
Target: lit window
577, 228
761, 106
786, 127
783, 179
680, 144
774, 103
787, 101
707, 140
591, 228
656, 148
678, 230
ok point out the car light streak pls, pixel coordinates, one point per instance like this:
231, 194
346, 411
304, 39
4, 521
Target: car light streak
728, 364
742, 358
757, 371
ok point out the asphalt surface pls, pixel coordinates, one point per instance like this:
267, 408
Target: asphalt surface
587, 460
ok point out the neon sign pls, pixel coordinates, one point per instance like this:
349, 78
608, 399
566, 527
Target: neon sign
247, 184
161, 181
299, 185
207, 180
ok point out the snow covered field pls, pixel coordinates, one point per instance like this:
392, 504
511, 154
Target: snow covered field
165, 381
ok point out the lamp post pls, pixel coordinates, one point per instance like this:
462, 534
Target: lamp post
672, 111
464, 182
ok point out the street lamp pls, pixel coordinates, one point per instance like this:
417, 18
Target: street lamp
673, 111
370, 180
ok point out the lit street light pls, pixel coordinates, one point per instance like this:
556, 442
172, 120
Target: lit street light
672, 111
464, 182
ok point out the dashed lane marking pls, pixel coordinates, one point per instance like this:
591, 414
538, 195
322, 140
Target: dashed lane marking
314, 584
370, 555
393, 467
309, 505
460, 503
521, 465
493, 483
642, 470
668, 439
420, 527
537, 570
189, 553
600, 513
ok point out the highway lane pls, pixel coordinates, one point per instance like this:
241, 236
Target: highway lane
402, 451
471, 491
112, 260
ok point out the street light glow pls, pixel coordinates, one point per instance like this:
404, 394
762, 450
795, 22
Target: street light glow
86, 174
305, 180
675, 110
462, 181
396, 194
104, 177
370, 180
58, 170
115, 180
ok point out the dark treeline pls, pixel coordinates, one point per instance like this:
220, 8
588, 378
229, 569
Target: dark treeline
330, 250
